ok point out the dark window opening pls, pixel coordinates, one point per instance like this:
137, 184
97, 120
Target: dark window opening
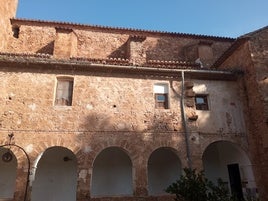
201, 102
16, 32
64, 92
161, 101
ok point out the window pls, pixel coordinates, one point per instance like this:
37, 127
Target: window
16, 31
201, 102
64, 92
161, 96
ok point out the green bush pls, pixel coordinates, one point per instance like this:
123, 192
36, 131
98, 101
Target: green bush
193, 186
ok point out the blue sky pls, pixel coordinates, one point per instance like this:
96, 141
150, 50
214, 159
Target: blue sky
230, 18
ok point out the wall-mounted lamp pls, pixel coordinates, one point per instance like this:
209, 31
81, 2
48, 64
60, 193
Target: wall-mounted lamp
7, 157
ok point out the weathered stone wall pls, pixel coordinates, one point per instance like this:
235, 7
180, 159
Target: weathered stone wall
7, 10
102, 44
118, 110
126, 105
251, 57
33, 39
225, 100
108, 110
96, 44
258, 103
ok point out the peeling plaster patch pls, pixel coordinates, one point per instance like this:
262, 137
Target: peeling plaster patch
32, 106
89, 106
19, 121
29, 148
87, 149
83, 175
121, 126
202, 88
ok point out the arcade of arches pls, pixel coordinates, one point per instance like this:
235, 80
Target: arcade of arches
54, 173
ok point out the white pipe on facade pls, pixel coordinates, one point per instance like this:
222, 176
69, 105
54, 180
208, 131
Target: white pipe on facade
188, 151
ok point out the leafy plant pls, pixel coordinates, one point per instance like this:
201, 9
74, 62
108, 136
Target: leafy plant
193, 186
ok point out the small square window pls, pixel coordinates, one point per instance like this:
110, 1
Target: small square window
201, 102
64, 92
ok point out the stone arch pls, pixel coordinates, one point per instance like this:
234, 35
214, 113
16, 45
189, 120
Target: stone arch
237, 141
112, 173
8, 173
219, 156
164, 167
124, 145
41, 146
56, 175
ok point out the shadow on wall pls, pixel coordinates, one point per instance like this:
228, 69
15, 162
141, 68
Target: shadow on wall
47, 49
165, 48
102, 135
155, 122
120, 52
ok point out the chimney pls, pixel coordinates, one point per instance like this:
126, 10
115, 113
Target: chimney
65, 45
135, 51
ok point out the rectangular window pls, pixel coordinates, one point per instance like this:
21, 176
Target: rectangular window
64, 92
161, 96
201, 102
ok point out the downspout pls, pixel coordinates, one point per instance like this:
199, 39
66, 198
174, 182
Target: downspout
188, 152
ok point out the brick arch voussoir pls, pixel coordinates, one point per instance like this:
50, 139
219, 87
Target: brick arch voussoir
20, 156
97, 149
172, 147
232, 140
166, 144
40, 148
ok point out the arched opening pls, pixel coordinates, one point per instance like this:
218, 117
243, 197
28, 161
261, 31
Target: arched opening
229, 162
55, 177
164, 168
8, 173
112, 174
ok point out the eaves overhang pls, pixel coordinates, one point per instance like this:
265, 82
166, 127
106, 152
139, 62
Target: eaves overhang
47, 64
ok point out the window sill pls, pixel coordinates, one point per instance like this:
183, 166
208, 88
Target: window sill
62, 107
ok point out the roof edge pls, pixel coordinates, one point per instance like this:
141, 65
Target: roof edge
69, 25
252, 33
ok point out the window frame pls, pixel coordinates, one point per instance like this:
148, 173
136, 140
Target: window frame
158, 103
202, 106
161, 104
69, 101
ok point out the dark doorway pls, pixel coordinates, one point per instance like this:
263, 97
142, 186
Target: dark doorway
235, 181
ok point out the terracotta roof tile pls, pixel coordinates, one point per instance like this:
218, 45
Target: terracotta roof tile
37, 55
112, 61
172, 64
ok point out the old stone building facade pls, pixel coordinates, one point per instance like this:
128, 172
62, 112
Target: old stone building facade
101, 113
